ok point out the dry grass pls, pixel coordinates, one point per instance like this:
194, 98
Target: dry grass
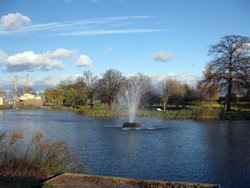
38, 158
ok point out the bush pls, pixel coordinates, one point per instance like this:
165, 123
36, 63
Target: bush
38, 158
195, 113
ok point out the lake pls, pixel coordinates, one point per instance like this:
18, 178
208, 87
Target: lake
174, 150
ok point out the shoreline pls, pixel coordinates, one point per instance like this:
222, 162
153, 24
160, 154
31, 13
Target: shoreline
180, 114
86, 180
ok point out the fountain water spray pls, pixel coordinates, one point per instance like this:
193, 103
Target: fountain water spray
130, 97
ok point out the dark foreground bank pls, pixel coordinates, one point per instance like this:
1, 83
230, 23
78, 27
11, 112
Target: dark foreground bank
84, 180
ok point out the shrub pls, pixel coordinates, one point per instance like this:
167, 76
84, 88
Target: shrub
196, 113
37, 158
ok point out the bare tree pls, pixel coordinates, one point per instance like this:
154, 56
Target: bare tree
139, 87
208, 90
230, 67
170, 88
109, 85
91, 82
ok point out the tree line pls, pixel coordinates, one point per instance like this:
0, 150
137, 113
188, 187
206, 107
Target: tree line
224, 78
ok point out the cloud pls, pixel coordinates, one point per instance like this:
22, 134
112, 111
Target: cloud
184, 78
37, 83
42, 83
109, 32
246, 46
62, 53
2, 56
84, 61
96, 26
163, 56
13, 22
31, 61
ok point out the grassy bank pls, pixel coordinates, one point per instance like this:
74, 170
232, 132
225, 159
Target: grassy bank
203, 110
196, 113
102, 113
199, 114
84, 180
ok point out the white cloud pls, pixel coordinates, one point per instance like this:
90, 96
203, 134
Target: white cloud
109, 32
13, 22
84, 61
37, 83
62, 53
2, 56
163, 56
31, 61
184, 78
41, 83
246, 46
96, 26
69, 77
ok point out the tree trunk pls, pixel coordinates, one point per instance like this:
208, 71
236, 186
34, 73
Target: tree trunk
91, 103
113, 105
229, 94
164, 106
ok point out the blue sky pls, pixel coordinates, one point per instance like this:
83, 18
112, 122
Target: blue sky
56, 40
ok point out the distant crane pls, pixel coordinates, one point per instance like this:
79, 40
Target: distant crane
27, 83
15, 86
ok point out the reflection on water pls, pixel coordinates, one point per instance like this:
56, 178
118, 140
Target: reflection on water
193, 151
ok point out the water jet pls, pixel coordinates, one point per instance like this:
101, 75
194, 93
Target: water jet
130, 98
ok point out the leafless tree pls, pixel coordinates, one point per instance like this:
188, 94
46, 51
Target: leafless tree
139, 85
230, 68
170, 87
91, 83
208, 90
109, 85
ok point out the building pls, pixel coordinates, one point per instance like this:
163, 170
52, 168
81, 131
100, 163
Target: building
30, 100
3, 100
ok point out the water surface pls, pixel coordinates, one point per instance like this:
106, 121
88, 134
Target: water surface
192, 151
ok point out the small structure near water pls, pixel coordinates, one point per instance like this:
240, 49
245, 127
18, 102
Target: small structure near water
29, 99
83, 180
131, 125
3, 100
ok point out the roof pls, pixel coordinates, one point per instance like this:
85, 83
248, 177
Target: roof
26, 96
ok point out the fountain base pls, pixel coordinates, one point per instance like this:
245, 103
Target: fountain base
131, 125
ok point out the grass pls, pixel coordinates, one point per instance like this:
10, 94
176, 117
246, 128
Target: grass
203, 104
196, 113
192, 110
32, 161
3, 107
27, 107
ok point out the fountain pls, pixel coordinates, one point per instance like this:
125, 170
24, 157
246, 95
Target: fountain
131, 125
130, 97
